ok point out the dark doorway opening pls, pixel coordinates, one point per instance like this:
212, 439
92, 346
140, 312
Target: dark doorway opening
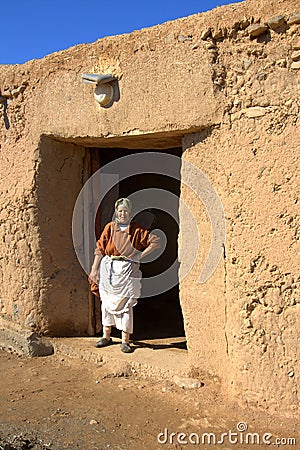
158, 316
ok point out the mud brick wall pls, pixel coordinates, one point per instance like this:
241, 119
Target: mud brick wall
224, 85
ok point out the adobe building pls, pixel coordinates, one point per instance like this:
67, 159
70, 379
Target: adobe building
219, 90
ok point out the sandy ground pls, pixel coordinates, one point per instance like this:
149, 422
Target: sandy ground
65, 404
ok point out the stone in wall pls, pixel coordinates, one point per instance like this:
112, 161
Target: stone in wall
294, 19
256, 30
276, 22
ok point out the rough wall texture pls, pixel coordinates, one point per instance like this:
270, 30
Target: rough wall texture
225, 85
252, 159
64, 289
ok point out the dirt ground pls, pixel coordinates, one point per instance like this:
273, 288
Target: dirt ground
62, 404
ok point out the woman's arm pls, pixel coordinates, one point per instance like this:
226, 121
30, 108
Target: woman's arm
99, 253
94, 274
153, 242
146, 252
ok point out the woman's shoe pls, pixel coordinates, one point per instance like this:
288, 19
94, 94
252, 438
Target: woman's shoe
125, 348
103, 342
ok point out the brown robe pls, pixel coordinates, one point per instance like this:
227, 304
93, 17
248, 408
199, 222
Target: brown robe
115, 242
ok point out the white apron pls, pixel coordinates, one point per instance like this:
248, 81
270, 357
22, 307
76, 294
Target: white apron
119, 289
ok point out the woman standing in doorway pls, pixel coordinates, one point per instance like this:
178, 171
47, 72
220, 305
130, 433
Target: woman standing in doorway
121, 246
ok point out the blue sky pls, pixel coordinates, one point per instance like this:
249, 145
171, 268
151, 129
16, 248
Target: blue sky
34, 28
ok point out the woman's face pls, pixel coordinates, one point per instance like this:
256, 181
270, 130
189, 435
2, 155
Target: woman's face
123, 214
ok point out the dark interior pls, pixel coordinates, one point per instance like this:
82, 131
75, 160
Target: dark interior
158, 316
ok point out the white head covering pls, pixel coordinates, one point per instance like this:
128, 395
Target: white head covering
126, 203
123, 202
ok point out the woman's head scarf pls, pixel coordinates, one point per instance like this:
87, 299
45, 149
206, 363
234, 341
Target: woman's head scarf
126, 203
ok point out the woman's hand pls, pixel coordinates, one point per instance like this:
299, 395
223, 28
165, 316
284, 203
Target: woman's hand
93, 277
95, 274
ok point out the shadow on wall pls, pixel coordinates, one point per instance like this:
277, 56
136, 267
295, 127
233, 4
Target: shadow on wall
64, 287
3, 102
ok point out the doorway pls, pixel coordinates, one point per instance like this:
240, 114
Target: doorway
158, 316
